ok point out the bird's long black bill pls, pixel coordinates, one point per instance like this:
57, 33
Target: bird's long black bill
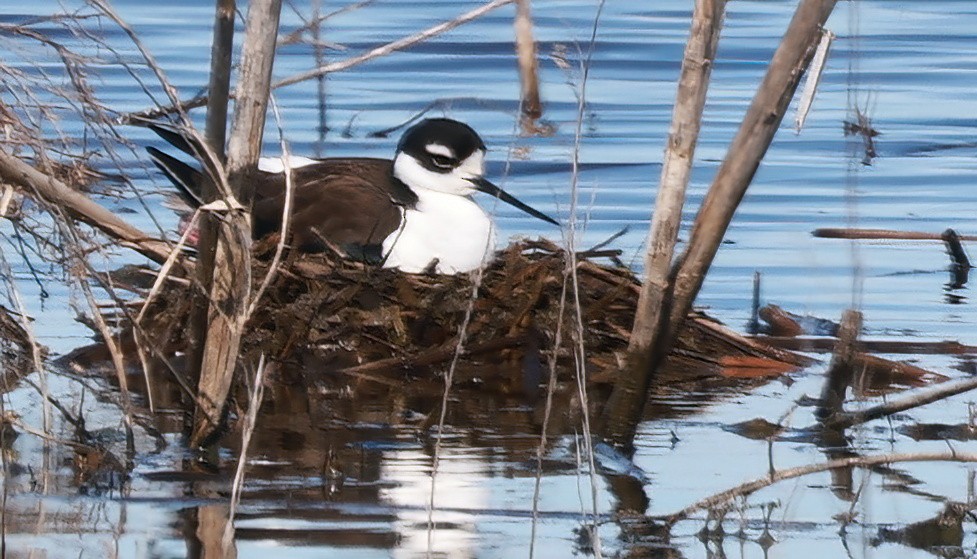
486, 186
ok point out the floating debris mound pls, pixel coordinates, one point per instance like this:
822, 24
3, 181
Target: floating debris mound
332, 316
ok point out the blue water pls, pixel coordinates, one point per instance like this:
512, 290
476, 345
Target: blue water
909, 65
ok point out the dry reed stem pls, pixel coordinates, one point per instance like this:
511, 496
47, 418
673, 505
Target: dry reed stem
532, 108
256, 395
168, 266
230, 288
547, 414
881, 234
36, 358
459, 350
570, 240
286, 215
625, 406
753, 486
118, 365
384, 50
813, 79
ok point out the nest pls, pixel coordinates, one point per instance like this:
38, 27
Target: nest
340, 319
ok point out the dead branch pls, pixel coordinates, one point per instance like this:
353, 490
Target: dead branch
911, 399
52, 191
881, 234
751, 487
220, 76
743, 158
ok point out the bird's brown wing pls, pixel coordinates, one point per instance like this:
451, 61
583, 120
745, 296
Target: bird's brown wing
338, 203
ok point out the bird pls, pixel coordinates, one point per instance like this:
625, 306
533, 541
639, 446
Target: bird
414, 212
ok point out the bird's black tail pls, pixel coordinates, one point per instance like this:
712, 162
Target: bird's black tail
187, 179
183, 176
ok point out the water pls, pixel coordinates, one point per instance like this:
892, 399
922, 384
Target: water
353, 479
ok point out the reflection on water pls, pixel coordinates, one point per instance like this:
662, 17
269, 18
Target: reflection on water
331, 474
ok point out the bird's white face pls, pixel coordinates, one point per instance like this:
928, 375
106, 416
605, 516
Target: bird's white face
438, 168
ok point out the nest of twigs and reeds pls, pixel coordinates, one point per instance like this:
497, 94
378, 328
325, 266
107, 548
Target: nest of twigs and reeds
339, 319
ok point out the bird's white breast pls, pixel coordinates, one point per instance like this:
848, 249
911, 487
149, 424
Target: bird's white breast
446, 227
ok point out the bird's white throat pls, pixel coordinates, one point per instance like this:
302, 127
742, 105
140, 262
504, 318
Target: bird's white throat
410, 171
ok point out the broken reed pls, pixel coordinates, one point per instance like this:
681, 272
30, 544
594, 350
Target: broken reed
755, 134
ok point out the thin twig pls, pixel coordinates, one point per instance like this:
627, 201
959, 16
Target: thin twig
286, 213
38, 361
547, 414
384, 50
571, 243
247, 430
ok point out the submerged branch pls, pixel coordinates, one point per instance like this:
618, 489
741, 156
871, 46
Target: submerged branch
781, 475
914, 399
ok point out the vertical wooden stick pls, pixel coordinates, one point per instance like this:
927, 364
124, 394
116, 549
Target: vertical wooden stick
627, 399
532, 108
954, 248
231, 286
841, 372
743, 158
216, 135
220, 76
319, 51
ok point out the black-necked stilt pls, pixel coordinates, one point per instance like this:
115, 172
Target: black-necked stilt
411, 213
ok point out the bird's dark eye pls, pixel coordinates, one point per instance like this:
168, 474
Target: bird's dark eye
442, 161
